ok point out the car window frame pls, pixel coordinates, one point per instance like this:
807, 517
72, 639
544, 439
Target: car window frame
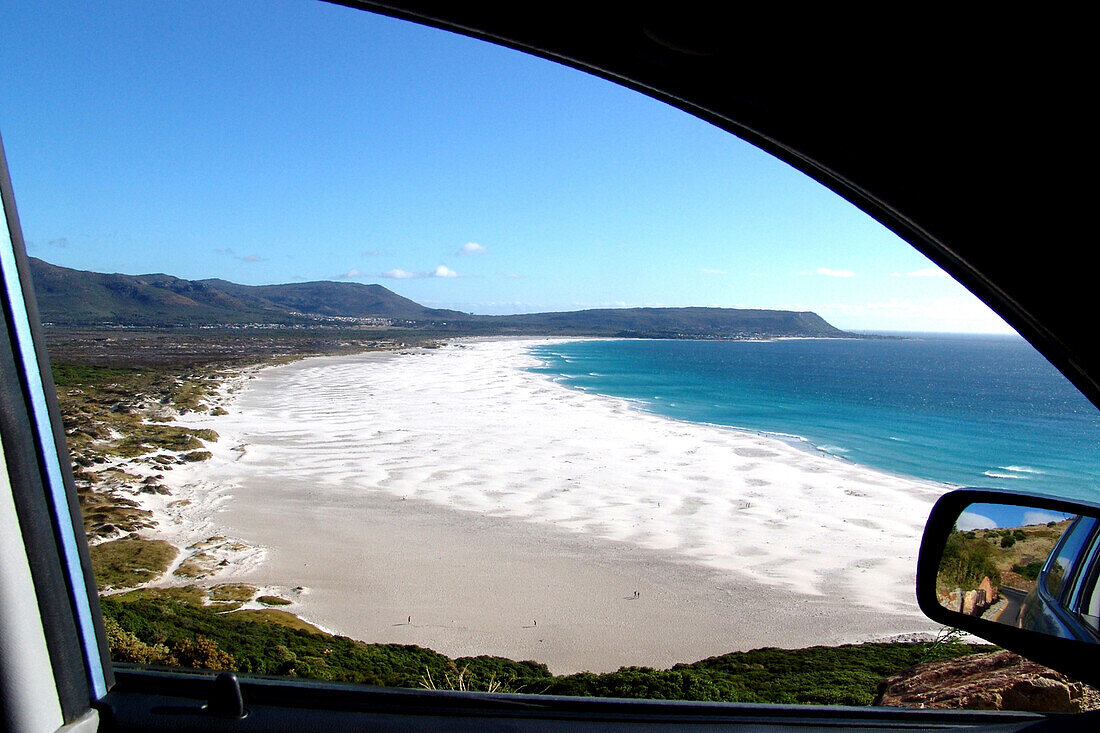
1083, 528
68, 602
1063, 604
1085, 585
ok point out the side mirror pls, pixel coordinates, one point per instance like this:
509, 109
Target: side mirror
1018, 570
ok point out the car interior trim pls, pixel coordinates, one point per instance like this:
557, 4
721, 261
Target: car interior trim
28, 699
43, 444
132, 698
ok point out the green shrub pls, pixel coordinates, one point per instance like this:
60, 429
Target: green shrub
965, 562
125, 647
130, 561
203, 653
1030, 571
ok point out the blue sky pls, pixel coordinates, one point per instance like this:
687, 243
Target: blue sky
994, 516
321, 143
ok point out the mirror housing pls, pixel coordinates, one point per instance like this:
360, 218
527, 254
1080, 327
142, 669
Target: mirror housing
1072, 537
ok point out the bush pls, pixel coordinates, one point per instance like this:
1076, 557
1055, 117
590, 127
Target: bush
1008, 541
125, 647
203, 653
1030, 571
965, 562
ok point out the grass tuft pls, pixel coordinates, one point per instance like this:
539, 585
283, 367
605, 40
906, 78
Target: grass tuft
130, 561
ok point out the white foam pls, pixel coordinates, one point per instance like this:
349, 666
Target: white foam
1022, 469
1002, 475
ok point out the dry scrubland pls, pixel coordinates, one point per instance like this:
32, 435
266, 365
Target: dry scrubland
1011, 556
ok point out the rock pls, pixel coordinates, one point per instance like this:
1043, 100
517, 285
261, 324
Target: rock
994, 681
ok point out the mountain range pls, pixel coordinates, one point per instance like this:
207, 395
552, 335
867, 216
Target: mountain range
76, 298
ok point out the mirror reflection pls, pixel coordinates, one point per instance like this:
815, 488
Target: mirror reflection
1026, 567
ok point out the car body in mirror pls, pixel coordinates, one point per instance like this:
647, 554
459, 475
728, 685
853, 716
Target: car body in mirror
1065, 600
1019, 570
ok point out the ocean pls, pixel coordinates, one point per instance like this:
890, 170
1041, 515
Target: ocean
985, 411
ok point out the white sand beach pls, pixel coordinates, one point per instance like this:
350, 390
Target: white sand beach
506, 514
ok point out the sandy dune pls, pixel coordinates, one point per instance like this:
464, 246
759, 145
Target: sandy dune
506, 514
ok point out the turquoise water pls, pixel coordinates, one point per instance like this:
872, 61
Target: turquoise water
968, 410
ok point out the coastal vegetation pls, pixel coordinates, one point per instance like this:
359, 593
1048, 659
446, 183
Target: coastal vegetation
114, 420
177, 629
130, 561
119, 393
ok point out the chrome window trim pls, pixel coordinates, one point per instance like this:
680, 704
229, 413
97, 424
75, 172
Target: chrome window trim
49, 456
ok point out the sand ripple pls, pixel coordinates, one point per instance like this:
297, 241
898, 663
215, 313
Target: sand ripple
468, 428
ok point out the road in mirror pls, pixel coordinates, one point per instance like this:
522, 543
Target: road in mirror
1025, 567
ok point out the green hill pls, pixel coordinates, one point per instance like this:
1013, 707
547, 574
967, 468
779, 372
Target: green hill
68, 297
75, 298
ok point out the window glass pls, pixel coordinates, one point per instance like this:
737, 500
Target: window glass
1061, 567
389, 356
1088, 604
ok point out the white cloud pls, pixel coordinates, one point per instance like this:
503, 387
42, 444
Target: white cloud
246, 258
63, 242
969, 520
958, 314
398, 274
924, 272
471, 248
709, 271
834, 273
352, 274
1037, 516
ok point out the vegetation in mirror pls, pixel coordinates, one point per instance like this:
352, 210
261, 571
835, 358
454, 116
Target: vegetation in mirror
993, 558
